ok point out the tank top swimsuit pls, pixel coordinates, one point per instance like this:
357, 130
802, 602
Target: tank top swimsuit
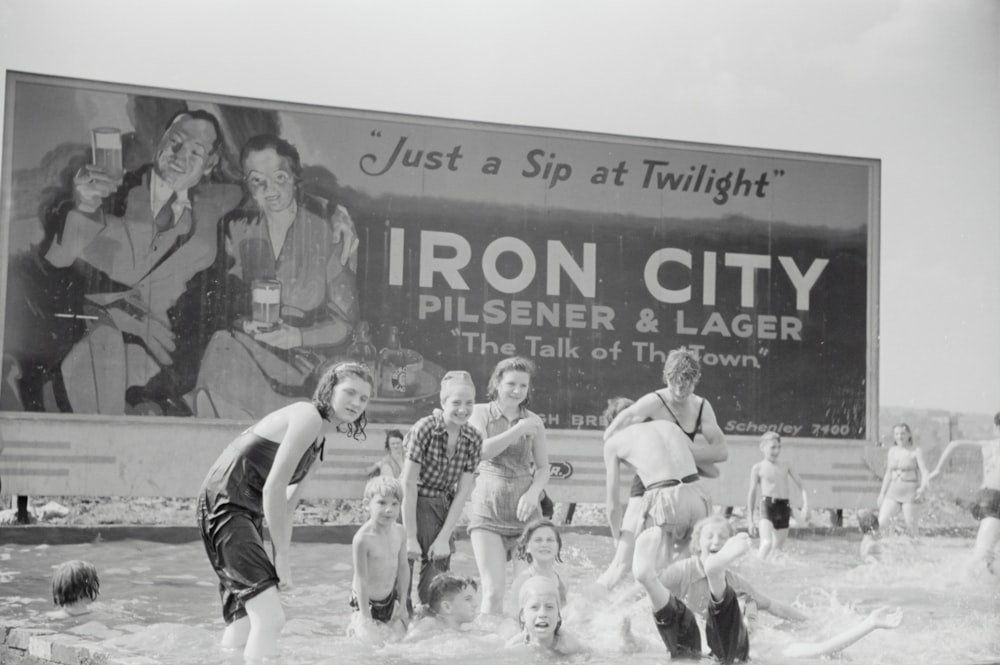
638, 489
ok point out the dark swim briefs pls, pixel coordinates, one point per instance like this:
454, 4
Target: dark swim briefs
381, 609
987, 504
777, 511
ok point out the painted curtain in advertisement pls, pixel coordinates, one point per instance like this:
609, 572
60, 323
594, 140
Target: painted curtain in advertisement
419, 245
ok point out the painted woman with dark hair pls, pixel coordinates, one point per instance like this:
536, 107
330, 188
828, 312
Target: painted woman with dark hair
260, 476
282, 244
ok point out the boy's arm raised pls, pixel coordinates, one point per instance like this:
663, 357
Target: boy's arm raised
949, 449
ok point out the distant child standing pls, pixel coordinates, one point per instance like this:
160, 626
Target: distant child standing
381, 586
770, 478
987, 506
392, 463
74, 587
512, 475
442, 453
541, 547
904, 481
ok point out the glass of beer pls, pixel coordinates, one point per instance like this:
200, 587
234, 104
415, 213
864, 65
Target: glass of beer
106, 143
266, 300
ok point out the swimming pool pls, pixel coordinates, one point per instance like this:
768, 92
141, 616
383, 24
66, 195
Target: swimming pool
158, 604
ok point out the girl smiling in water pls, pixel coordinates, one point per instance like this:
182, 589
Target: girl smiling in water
541, 546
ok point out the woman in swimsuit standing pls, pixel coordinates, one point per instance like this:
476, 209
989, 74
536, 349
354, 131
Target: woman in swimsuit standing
677, 403
904, 481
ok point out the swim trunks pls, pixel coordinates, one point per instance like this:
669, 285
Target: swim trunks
381, 609
777, 511
987, 504
675, 505
725, 629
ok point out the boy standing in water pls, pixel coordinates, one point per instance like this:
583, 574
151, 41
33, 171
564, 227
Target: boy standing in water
381, 572
771, 477
987, 506
442, 453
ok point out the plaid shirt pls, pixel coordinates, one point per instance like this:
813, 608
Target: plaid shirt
426, 443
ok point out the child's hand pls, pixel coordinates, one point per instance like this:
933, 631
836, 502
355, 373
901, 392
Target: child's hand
752, 527
886, 617
412, 549
400, 614
440, 548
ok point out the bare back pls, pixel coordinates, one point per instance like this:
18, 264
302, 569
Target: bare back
659, 450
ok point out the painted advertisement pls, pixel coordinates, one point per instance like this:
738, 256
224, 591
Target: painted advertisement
188, 255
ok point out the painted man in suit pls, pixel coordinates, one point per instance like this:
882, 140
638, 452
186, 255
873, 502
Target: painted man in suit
142, 241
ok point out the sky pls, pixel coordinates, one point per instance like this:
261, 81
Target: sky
914, 83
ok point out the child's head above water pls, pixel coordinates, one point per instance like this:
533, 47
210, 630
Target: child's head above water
709, 534
74, 582
541, 537
385, 486
539, 607
453, 595
867, 521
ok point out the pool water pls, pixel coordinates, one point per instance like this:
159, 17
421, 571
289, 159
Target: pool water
159, 604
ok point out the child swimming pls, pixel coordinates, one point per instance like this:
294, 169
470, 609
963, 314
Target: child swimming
540, 618
541, 547
451, 604
75, 586
707, 586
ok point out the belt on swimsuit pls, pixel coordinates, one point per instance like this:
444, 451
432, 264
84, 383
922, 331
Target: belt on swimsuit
673, 482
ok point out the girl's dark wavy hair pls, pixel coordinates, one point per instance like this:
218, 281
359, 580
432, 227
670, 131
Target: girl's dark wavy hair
533, 526
324, 394
512, 364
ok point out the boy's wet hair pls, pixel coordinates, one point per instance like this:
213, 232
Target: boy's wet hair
867, 521
695, 546
615, 406
532, 527
445, 587
384, 486
767, 437
74, 581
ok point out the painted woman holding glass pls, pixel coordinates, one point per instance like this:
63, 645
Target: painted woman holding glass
295, 303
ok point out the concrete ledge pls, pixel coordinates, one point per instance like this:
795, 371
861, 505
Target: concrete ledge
329, 533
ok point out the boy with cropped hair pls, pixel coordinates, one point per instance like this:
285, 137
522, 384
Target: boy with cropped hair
451, 603
770, 478
381, 586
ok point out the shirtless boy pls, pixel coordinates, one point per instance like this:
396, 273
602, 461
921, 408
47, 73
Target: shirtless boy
381, 571
674, 498
987, 506
770, 477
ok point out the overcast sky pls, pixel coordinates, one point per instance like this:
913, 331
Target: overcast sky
915, 83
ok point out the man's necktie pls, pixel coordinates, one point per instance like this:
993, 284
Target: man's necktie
165, 218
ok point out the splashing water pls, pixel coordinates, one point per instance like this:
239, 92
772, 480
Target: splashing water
158, 604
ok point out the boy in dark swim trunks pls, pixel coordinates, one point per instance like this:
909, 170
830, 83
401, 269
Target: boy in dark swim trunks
986, 509
381, 570
770, 477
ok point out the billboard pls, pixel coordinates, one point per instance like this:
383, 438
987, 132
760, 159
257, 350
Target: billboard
307, 235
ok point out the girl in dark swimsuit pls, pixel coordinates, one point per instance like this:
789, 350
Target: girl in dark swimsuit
259, 476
